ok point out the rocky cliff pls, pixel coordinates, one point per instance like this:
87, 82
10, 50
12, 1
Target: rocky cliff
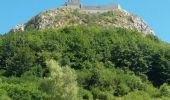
64, 16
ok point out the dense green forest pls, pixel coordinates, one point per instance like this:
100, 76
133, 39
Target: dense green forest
84, 63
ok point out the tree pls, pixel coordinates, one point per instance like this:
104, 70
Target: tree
61, 84
160, 70
22, 60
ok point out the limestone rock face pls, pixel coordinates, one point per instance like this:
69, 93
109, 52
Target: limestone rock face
61, 17
19, 27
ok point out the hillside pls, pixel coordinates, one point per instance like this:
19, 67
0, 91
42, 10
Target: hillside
68, 54
84, 63
64, 16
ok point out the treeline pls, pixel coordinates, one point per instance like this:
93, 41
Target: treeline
84, 62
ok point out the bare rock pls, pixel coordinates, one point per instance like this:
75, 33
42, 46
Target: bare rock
64, 16
19, 27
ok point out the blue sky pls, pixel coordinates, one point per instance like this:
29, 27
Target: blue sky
155, 12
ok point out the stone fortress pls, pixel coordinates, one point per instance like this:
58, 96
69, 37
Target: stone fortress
75, 4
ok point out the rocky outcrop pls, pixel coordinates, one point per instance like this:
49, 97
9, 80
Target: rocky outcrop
62, 17
19, 27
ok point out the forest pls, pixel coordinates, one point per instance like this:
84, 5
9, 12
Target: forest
84, 63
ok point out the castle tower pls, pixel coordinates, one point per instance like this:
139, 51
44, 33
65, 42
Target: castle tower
73, 4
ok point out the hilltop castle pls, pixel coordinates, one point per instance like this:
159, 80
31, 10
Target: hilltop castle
75, 4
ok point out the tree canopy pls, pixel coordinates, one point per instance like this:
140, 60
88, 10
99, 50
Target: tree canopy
83, 62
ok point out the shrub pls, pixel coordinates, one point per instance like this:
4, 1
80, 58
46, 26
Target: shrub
4, 95
22, 92
165, 90
121, 90
85, 94
137, 95
102, 95
61, 84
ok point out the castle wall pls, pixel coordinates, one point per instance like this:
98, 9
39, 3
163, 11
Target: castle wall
100, 9
73, 6
95, 11
92, 9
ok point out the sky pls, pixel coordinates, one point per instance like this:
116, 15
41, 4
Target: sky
156, 13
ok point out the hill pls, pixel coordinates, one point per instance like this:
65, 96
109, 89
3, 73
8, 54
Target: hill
69, 54
84, 62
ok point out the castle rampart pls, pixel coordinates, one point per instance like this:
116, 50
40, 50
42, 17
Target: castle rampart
91, 9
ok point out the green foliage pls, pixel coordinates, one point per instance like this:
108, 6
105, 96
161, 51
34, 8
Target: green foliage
101, 95
16, 89
61, 84
4, 95
16, 56
20, 62
137, 95
165, 90
160, 70
121, 90
110, 63
85, 94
